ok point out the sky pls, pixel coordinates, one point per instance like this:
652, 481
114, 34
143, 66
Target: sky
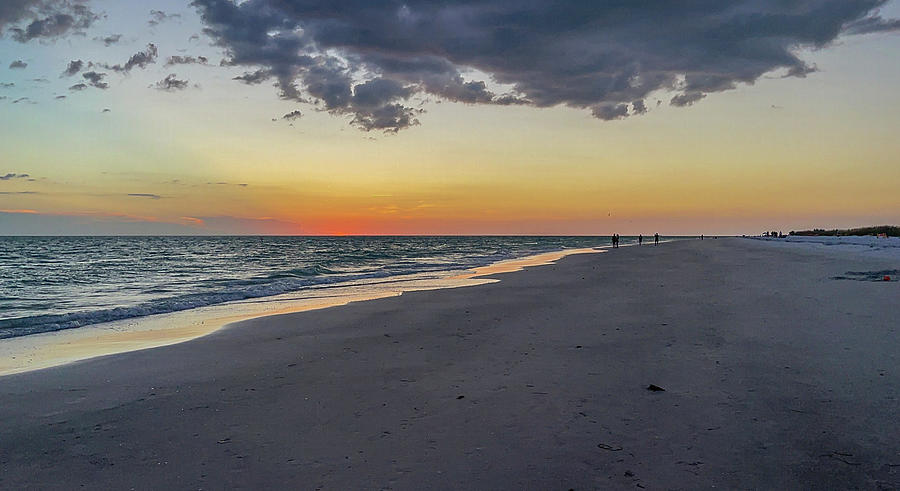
323, 117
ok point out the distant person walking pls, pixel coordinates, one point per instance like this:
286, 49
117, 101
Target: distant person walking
640, 239
615, 241
656, 239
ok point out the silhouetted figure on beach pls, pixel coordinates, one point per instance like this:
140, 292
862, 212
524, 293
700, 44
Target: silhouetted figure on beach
640, 239
655, 239
615, 241
701, 236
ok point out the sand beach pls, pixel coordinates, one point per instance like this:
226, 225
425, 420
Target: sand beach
779, 371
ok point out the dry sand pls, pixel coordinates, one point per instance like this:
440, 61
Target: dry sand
776, 376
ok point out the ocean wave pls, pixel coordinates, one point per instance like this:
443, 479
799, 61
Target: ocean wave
282, 284
56, 283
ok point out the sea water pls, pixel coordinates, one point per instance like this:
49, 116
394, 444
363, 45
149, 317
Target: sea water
54, 283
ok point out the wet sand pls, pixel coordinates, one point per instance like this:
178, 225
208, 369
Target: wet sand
51, 349
776, 376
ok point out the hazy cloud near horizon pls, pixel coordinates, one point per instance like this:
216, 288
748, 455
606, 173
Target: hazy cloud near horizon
13, 175
31, 222
144, 195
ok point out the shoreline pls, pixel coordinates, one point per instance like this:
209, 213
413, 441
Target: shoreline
776, 375
44, 350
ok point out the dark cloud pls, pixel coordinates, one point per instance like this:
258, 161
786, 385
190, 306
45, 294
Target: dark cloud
510, 100
145, 195
95, 79
389, 117
106, 110
291, 116
687, 98
158, 17
109, 40
171, 83
21, 99
12, 175
800, 71
638, 107
18, 64
74, 67
78, 87
601, 56
609, 112
60, 97
138, 60
25, 20
7, 85
377, 92
18, 192
186, 60
253, 78
40, 80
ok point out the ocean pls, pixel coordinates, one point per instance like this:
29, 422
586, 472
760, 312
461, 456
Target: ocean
54, 283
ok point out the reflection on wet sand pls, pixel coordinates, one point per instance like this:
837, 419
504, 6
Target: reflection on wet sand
57, 348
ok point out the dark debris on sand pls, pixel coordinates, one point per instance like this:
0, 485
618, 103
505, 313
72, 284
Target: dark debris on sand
868, 275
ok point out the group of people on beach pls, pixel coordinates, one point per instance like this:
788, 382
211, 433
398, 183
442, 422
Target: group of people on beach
615, 240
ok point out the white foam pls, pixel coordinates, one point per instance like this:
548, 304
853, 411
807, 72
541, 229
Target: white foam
36, 351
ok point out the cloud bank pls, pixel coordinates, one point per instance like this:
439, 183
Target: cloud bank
26, 20
13, 175
144, 195
366, 60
